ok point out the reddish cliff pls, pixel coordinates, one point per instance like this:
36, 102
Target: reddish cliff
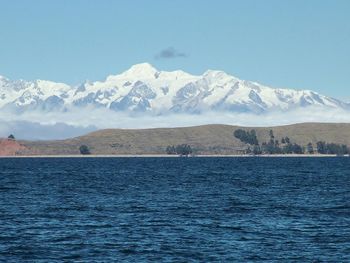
9, 147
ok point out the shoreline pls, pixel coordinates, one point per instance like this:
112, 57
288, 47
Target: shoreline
172, 156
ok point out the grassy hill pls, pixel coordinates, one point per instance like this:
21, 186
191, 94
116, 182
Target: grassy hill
206, 139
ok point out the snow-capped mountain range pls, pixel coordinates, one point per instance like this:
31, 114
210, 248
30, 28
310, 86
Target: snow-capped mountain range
143, 88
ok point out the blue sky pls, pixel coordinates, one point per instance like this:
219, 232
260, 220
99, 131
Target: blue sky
296, 44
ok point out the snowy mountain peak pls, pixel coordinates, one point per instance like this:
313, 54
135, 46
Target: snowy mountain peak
142, 70
218, 74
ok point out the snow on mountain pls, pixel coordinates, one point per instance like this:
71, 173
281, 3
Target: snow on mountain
23, 95
143, 88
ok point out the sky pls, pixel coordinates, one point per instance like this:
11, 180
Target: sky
281, 43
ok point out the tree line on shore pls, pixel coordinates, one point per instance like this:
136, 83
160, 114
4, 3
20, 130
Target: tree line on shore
181, 149
272, 146
285, 146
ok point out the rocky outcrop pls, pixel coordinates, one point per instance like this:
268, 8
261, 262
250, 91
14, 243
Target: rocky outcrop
9, 147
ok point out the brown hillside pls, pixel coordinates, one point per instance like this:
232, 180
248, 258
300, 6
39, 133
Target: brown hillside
206, 139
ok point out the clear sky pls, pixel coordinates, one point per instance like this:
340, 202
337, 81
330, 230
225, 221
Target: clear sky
282, 43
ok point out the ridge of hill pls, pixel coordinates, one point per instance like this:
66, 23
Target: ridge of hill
206, 139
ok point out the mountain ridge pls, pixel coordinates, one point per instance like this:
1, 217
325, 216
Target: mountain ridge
143, 88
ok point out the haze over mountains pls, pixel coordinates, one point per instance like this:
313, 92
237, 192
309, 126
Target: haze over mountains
151, 98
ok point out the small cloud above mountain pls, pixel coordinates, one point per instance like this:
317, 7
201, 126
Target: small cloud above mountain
170, 53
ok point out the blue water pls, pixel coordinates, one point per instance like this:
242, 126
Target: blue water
175, 209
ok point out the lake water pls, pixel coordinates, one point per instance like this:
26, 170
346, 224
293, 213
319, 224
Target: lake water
175, 209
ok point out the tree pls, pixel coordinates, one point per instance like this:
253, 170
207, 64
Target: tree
271, 135
170, 149
287, 140
333, 148
292, 148
271, 147
84, 149
296, 148
183, 149
253, 138
256, 150
310, 148
287, 148
248, 151
248, 137
321, 147
345, 149
11, 137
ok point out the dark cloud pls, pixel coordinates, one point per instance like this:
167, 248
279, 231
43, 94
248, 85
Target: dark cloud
169, 53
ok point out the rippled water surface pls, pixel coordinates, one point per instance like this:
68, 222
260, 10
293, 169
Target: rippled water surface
175, 209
